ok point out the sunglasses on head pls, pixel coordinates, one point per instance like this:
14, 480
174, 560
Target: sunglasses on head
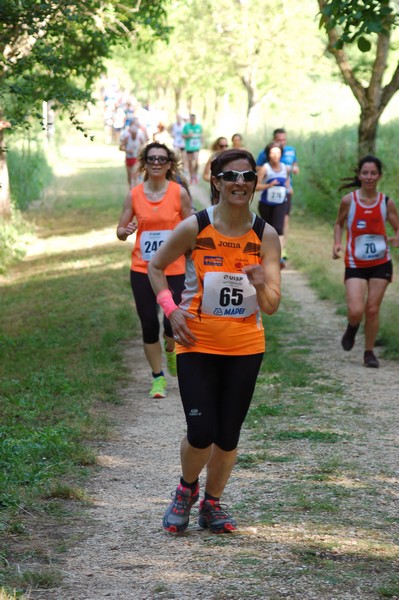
234, 175
161, 160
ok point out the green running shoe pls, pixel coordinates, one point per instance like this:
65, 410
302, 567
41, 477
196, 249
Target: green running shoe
158, 389
171, 361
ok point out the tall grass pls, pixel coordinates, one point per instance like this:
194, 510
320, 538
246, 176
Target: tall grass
29, 171
324, 160
63, 313
11, 249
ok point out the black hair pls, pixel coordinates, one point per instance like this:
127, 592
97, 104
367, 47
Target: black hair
279, 130
225, 157
269, 148
353, 182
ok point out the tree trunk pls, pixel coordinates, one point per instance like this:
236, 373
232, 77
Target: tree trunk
5, 199
251, 94
368, 126
177, 91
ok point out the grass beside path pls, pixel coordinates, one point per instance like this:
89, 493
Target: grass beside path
64, 311
310, 249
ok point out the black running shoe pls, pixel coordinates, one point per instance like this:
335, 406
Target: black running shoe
348, 339
370, 360
213, 516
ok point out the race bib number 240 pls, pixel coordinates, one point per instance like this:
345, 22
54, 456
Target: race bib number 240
150, 241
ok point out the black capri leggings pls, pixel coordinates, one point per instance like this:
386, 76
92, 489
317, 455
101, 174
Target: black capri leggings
216, 392
274, 215
147, 306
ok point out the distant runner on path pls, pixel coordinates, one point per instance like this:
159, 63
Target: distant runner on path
274, 184
289, 158
131, 142
368, 265
233, 273
153, 209
192, 134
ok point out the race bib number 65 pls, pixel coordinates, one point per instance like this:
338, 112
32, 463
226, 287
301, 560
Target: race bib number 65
228, 295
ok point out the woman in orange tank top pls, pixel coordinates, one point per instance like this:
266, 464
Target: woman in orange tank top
367, 257
232, 275
151, 211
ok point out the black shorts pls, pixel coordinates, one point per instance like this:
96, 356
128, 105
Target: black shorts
274, 214
216, 391
147, 306
383, 271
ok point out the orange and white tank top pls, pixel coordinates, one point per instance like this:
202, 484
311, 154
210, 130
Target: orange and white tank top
366, 240
155, 221
227, 319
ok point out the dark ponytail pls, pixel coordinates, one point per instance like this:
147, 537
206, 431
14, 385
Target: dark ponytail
353, 182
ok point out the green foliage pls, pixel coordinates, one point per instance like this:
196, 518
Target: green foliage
248, 69
29, 173
325, 160
66, 47
11, 249
328, 437
357, 18
60, 329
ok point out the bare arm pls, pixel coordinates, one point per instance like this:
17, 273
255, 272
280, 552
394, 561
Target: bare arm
126, 226
295, 168
206, 175
339, 226
181, 241
261, 185
185, 203
266, 277
265, 186
186, 133
393, 220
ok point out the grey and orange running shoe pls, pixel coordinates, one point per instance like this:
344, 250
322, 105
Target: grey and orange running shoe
214, 516
177, 515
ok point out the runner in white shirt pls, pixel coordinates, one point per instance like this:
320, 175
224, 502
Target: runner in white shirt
131, 142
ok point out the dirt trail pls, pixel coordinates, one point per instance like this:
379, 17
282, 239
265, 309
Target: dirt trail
122, 552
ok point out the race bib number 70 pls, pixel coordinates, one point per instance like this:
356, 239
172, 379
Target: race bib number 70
370, 247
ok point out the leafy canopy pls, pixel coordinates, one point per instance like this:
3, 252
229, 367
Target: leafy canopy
55, 50
358, 18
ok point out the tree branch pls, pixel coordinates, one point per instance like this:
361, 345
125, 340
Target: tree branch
389, 90
377, 72
340, 56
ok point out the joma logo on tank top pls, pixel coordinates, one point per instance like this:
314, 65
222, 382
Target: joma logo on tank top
229, 244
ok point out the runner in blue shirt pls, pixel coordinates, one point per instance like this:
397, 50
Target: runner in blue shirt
288, 158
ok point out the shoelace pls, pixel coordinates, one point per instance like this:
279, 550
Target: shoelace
182, 502
219, 510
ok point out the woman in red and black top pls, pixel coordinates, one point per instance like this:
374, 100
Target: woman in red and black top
367, 256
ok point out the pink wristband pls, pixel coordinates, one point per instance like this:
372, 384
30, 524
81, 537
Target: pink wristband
165, 301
